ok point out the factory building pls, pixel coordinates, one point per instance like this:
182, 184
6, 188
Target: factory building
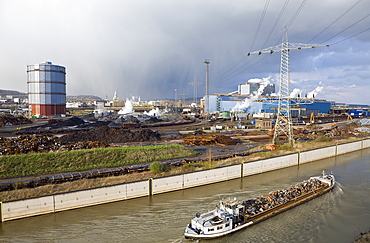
46, 89
250, 88
254, 98
238, 104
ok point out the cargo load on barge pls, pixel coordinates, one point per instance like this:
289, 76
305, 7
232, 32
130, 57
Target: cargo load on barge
232, 215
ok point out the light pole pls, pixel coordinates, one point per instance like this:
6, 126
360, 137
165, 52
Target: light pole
206, 101
175, 103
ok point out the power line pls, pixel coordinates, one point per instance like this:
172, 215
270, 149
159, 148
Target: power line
351, 36
347, 28
218, 80
260, 23
229, 77
249, 66
291, 21
236, 64
336, 20
276, 21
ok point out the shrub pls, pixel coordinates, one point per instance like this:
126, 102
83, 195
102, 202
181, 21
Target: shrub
322, 138
286, 146
157, 167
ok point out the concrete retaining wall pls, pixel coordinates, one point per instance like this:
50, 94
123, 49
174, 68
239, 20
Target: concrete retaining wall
366, 143
27, 208
11, 210
166, 184
317, 154
279, 162
91, 197
205, 177
349, 147
234, 171
252, 168
137, 189
276, 163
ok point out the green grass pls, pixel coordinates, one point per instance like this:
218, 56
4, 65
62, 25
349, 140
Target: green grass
42, 163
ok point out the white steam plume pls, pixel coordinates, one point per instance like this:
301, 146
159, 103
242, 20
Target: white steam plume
295, 93
127, 109
246, 104
314, 92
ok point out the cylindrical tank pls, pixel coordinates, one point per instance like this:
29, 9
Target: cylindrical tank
46, 89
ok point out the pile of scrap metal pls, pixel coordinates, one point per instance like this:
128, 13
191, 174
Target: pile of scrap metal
10, 120
25, 144
273, 199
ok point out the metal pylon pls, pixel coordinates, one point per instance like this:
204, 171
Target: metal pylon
283, 124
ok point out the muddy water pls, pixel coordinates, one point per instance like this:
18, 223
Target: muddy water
338, 216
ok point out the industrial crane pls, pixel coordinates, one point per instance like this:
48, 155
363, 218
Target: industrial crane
283, 122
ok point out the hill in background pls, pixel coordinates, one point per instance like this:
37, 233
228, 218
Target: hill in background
70, 98
4, 92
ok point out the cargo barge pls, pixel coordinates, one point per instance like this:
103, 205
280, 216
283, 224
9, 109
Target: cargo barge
232, 215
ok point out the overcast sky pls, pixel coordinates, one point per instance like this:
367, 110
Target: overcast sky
150, 48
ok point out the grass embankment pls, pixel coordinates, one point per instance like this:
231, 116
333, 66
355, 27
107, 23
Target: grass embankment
43, 163
97, 182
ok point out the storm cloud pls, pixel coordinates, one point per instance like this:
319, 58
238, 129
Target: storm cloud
150, 48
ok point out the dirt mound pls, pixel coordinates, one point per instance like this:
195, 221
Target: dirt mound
222, 139
111, 135
10, 120
153, 119
73, 121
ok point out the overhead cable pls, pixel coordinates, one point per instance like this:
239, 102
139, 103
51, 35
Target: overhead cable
291, 21
260, 23
341, 16
276, 21
248, 66
217, 80
233, 66
347, 28
351, 36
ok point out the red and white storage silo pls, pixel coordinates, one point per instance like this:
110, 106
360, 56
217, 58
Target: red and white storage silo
46, 89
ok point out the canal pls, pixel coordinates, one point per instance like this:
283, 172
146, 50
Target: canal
338, 216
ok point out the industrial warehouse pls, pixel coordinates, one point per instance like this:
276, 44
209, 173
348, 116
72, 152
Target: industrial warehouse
246, 101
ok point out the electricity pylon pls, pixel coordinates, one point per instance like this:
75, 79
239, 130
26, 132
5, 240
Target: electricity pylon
195, 83
283, 122
183, 98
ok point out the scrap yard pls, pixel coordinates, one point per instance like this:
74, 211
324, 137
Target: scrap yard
220, 136
21, 135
